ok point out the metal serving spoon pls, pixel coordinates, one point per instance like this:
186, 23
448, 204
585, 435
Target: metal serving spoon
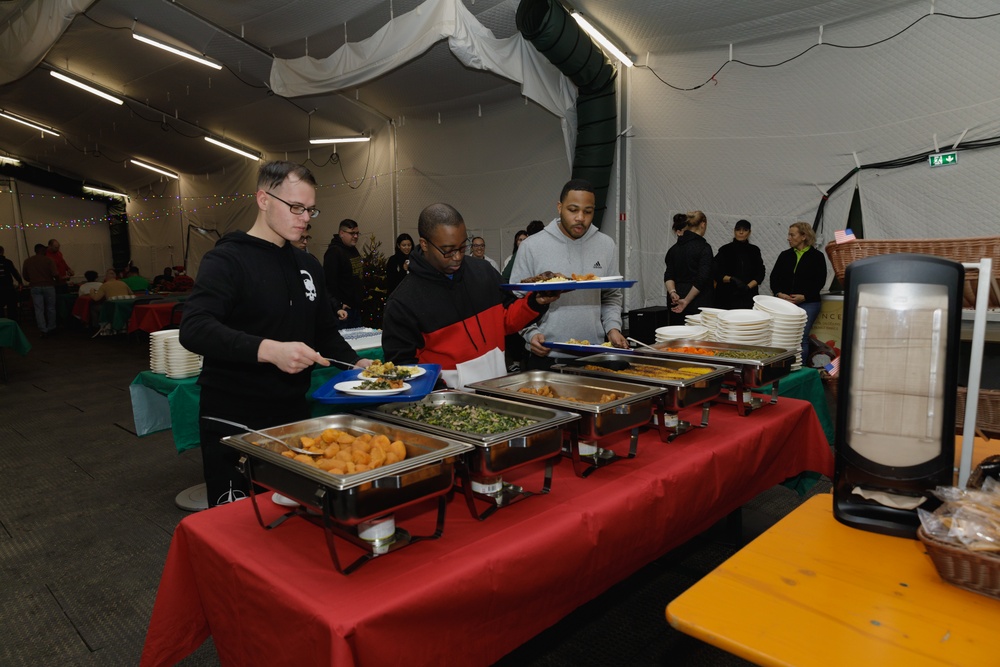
298, 450
641, 344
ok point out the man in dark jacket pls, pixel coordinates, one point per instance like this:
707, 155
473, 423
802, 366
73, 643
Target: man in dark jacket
342, 265
450, 310
739, 270
8, 295
260, 315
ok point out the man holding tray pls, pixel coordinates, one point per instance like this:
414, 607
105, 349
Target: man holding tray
568, 245
260, 315
453, 312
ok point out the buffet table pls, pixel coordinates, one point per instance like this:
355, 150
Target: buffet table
805, 384
482, 589
809, 592
11, 336
151, 317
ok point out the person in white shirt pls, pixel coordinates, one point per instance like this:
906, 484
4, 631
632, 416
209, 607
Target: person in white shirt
479, 250
92, 283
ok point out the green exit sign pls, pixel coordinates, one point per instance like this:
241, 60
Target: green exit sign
943, 159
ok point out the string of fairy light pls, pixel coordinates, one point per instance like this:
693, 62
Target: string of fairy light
189, 205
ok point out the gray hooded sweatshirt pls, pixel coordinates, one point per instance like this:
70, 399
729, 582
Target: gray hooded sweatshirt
580, 314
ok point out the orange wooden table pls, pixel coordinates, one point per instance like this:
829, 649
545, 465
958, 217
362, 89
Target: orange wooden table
811, 591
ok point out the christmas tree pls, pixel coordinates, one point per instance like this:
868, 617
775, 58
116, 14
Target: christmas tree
373, 283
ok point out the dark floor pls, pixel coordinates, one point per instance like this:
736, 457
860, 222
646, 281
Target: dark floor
87, 512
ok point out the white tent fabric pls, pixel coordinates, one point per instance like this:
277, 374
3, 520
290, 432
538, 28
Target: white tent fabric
406, 37
27, 37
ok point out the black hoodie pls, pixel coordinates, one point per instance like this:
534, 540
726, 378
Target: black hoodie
249, 289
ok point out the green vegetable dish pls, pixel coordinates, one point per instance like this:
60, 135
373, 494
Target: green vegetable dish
463, 418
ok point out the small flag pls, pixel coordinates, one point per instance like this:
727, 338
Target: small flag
843, 236
833, 368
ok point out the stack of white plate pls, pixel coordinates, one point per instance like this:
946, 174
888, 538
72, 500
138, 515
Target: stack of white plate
693, 321
710, 320
787, 324
181, 363
681, 333
744, 327
158, 349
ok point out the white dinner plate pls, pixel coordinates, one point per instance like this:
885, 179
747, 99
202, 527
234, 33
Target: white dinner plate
279, 499
415, 372
351, 387
743, 317
776, 305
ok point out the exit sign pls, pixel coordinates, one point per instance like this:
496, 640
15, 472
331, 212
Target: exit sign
943, 159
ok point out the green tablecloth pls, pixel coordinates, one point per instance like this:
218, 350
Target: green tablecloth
805, 384
159, 402
11, 336
115, 313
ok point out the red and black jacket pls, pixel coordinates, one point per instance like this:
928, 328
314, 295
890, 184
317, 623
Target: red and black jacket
433, 319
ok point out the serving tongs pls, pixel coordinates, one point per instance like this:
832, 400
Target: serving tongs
297, 450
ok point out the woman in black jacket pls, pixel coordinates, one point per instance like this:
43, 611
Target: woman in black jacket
688, 276
739, 269
399, 264
799, 274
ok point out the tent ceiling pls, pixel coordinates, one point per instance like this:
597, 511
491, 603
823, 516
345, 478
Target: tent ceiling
172, 102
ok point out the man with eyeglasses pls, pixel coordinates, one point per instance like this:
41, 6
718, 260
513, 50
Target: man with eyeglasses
479, 251
570, 244
260, 315
342, 265
453, 312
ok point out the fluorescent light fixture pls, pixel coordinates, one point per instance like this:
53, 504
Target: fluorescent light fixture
82, 86
180, 52
25, 121
106, 193
601, 39
230, 147
158, 170
340, 140
10, 160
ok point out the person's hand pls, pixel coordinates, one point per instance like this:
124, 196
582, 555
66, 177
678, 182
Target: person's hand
341, 314
545, 298
293, 357
679, 306
673, 297
617, 339
364, 363
406, 265
737, 283
797, 298
536, 346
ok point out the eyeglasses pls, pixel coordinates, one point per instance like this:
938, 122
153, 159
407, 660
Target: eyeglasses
354, 234
455, 252
478, 245
296, 209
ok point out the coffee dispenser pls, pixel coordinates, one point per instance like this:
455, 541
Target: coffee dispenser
895, 436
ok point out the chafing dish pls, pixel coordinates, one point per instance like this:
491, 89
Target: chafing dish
597, 420
343, 501
749, 373
676, 394
491, 455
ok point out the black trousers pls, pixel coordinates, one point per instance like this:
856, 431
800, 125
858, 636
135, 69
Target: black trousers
223, 480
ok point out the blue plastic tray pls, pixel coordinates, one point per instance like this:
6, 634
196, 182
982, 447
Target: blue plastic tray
419, 387
567, 285
573, 348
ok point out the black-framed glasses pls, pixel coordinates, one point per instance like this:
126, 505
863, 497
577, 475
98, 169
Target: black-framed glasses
354, 234
478, 245
296, 209
455, 252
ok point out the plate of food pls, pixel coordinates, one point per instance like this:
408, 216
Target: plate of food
576, 346
550, 281
390, 371
372, 387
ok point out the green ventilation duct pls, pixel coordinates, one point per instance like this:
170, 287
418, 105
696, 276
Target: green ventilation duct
551, 30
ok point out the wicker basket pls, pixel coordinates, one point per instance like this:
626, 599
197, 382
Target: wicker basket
987, 411
959, 250
974, 571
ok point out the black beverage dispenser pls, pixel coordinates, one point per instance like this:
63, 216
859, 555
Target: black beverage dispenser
895, 436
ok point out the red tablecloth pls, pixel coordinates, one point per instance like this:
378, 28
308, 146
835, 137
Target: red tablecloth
81, 309
151, 317
274, 598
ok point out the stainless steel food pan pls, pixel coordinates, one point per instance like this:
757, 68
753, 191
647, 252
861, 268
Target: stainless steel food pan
677, 394
597, 420
493, 453
428, 469
776, 362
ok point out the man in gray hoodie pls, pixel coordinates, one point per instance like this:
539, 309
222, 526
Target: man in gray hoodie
567, 245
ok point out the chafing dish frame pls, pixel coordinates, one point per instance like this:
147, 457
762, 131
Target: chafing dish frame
486, 459
597, 420
674, 396
337, 503
750, 374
